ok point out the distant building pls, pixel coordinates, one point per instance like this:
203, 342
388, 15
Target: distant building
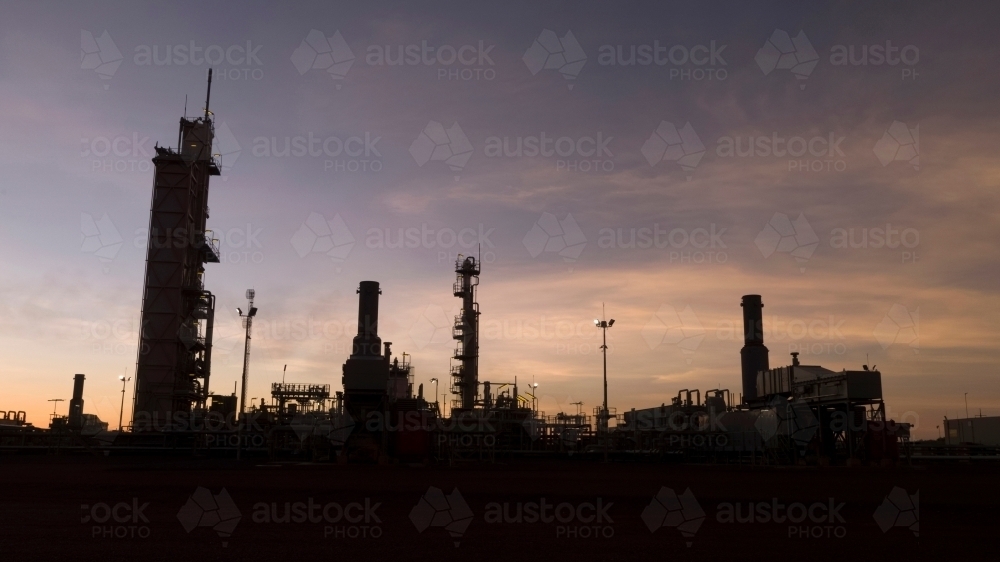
981, 431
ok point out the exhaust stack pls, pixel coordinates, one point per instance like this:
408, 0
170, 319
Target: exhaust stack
76, 404
753, 356
367, 343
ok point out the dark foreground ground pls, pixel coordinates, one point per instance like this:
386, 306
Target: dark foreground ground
86, 508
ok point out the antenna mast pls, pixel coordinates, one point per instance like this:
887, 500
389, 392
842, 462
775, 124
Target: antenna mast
208, 95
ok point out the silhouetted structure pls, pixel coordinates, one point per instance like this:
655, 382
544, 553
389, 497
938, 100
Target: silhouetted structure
465, 375
76, 404
753, 356
175, 355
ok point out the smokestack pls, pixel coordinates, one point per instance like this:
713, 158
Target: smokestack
76, 404
753, 356
367, 343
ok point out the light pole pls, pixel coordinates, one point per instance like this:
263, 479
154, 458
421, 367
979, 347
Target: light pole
435, 381
602, 423
121, 412
966, 405
248, 318
534, 399
55, 403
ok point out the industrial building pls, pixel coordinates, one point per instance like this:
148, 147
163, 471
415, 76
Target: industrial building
980, 430
791, 414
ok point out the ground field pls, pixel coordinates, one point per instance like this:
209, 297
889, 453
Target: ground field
86, 508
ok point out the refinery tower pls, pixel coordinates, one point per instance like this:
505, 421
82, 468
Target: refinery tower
175, 340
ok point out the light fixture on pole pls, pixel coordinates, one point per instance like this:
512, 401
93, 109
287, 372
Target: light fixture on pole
435, 381
602, 422
121, 412
55, 402
248, 320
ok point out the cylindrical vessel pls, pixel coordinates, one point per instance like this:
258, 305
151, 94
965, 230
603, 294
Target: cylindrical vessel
367, 342
753, 356
753, 319
76, 404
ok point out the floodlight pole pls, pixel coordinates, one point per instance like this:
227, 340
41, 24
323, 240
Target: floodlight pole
251, 312
121, 412
602, 422
436, 403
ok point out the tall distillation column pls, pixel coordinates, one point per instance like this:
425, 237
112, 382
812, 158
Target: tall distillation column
465, 375
175, 340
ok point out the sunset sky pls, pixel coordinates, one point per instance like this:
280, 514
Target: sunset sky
837, 158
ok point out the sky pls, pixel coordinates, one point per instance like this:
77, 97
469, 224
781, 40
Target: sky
837, 158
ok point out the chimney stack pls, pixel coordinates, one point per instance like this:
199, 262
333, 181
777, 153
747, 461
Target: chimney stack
367, 343
753, 356
76, 404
